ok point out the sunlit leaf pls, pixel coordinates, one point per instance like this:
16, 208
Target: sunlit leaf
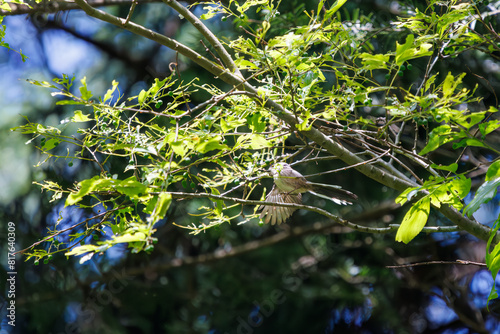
407, 195
468, 142
450, 168
249, 3
129, 187
128, 237
86, 94
109, 93
162, 205
82, 250
439, 136
210, 144
410, 50
488, 127
414, 220
258, 142
80, 117
335, 7
373, 62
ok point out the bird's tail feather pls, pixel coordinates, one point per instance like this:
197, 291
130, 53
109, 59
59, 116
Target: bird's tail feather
333, 193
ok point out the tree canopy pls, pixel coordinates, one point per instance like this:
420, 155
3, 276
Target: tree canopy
397, 104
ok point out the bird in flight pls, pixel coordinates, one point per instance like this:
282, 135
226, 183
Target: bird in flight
288, 188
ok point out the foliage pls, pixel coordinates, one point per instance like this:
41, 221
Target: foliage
321, 85
4, 5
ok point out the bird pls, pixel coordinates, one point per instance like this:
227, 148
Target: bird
288, 188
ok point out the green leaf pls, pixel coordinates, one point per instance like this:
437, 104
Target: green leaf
132, 188
225, 126
484, 194
50, 144
67, 102
179, 148
5, 6
109, 93
41, 83
411, 49
472, 119
335, 7
254, 122
450, 168
129, 187
488, 127
373, 62
245, 64
142, 96
492, 260
258, 142
80, 117
249, 3
36, 129
128, 237
407, 195
430, 81
461, 186
65, 80
439, 136
162, 205
449, 85
468, 142
210, 144
493, 171
451, 193
304, 126
82, 250
414, 220
86, 94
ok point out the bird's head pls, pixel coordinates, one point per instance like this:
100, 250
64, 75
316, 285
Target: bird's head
277, 168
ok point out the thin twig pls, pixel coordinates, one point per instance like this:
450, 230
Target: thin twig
341, 221
427, 263
131, 11
351, 166
211, 53
65, 230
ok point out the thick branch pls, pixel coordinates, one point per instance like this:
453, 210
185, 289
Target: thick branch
212, 39
210, 66
47, 7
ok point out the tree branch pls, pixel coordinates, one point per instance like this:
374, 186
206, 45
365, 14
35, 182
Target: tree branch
335, 219
212, 39
47, 7
207, 64
462, 262
103, 214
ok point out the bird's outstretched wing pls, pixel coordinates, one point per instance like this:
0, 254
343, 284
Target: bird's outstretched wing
278, 214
